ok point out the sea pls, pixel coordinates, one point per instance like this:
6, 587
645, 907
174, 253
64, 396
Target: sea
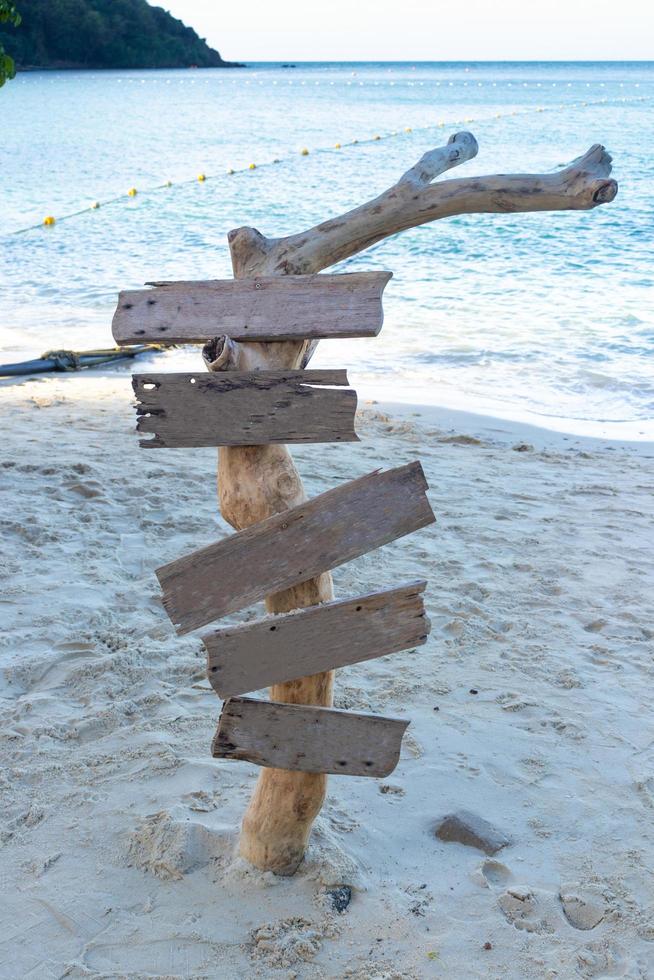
541, 318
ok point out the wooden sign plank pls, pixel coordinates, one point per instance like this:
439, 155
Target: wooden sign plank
244, 408
295, 545
267, 308
281, 648
308, 739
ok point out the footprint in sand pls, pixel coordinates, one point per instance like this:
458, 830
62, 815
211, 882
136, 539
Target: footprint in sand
583, 908
88, 490
541, 911
68, 658
474, 591
529, 909
596, 626
496, 874
604, 959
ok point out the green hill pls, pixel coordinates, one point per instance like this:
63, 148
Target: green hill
104, 34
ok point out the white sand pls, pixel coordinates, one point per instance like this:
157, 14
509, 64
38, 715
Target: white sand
118, 828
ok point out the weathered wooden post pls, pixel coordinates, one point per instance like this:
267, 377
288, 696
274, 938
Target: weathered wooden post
256, 482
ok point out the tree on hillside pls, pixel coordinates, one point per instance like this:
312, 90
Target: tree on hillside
8, 15
104, 34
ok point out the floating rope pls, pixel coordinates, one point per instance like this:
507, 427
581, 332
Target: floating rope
50, 220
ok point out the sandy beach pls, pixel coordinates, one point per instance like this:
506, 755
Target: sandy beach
530, 706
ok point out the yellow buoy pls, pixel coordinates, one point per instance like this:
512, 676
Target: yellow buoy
231, 170
253, 166
376, 137
337, 146
202, 177
168, 183
354, 141
49, 220
407, 129
441, 122
95, 205
132, 192
468, 119
304, 152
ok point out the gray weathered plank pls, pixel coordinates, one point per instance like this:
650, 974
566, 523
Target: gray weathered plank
349, 631
244, 408
267, 308
295, 545
308, 739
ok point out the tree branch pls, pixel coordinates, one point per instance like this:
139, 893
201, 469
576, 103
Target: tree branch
459, 148
414, 201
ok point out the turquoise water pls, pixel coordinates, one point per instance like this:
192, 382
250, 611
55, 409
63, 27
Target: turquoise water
544, 317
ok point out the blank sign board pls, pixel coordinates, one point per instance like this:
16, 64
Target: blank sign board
244, 408
263, 309
308, 739
348, 631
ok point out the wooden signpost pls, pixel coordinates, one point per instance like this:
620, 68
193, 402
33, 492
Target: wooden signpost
267, 321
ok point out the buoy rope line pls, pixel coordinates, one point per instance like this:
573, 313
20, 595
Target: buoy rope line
50, 220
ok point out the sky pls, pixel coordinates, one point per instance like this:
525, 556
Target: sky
407, 30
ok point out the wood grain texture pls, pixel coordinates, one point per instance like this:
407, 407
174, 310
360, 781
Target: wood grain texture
295, 545
265, 308
282, 648
244, 408
307, 739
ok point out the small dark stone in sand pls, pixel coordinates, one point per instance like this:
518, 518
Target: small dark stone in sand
386, 788
488, 945
523, 447
473, 690
464, 827
340, 897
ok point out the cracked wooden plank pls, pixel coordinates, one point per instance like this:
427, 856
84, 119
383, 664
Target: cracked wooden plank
308, 739
348, 631
252, 408
267, 308
294, 545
